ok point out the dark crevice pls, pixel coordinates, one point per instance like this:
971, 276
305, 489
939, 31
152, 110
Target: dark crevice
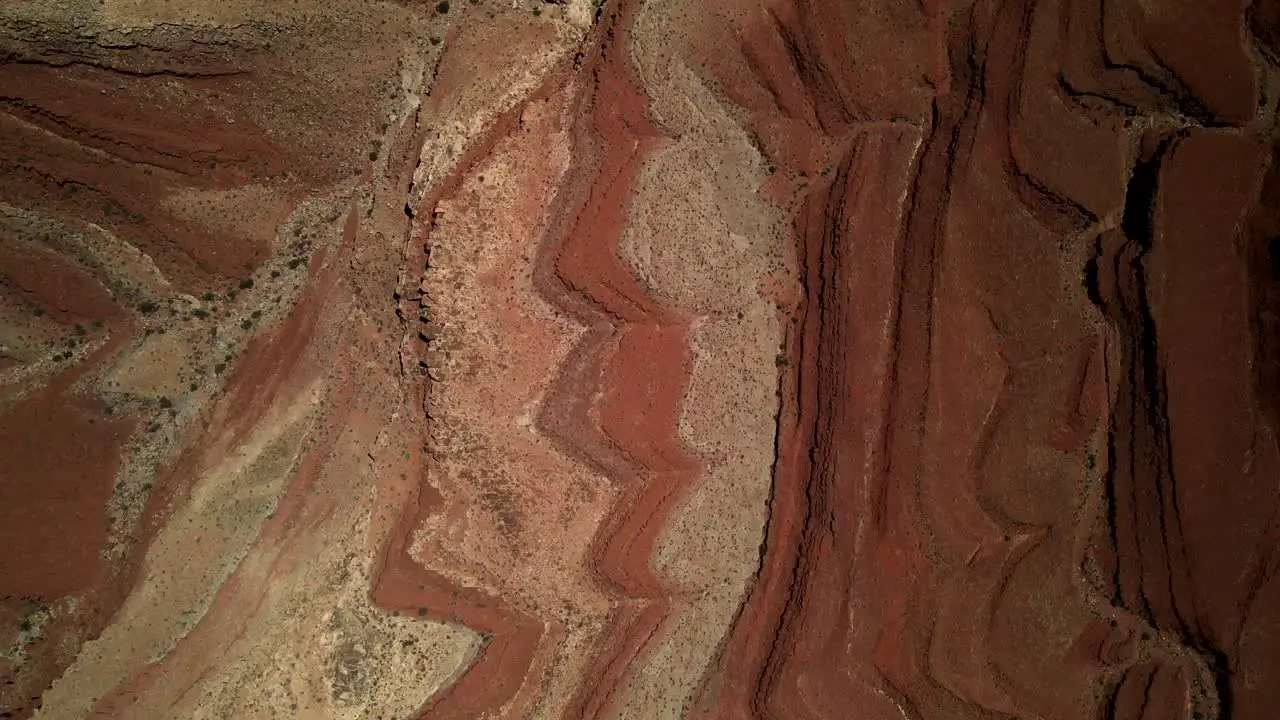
1139, 201
1091, 275
1143, 517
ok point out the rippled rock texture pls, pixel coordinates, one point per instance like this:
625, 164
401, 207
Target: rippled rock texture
640, 359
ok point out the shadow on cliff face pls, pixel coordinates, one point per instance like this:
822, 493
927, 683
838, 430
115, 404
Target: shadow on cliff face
1264, 25
1262, 248
1123, 523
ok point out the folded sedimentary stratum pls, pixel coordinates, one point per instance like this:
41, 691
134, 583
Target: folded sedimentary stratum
640, 359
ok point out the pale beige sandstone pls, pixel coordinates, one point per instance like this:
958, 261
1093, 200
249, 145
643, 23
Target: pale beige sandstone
193, 555
124, 260
149, 13
152, 367
92, 244
92, 247
251, 212
580, 13
315, 647
517, 515
241, 610
310, 644
492, 66
702, 237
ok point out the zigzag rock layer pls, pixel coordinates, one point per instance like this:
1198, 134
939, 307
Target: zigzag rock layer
640, 359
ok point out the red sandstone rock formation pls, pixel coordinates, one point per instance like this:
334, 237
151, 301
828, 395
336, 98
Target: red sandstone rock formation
730, 358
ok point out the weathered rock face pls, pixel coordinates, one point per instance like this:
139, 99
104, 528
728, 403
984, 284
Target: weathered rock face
1034, 473
645, 358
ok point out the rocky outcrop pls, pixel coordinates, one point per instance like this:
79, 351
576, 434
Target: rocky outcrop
645, 358
1020, 486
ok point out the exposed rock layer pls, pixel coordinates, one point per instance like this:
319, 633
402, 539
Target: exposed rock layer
661, 358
